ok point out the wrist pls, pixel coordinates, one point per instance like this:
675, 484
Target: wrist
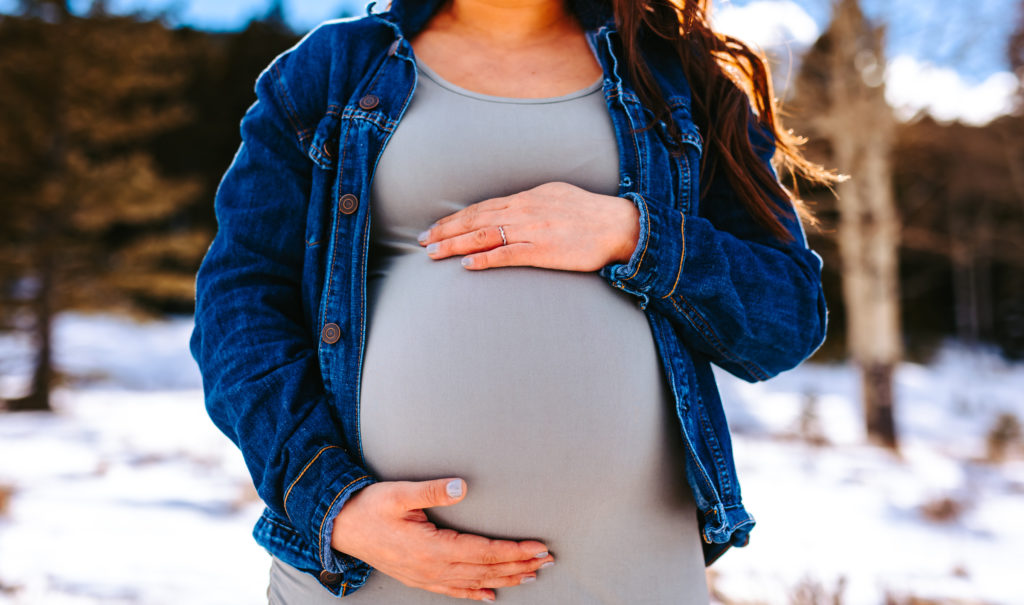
629, 235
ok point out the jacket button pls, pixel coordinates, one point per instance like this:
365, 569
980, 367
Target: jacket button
369, 102
329, 578
330, 334
348, 203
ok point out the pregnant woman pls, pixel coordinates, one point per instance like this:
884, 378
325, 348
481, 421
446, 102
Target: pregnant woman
474, 260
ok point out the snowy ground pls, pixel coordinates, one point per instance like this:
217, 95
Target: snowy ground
129, 495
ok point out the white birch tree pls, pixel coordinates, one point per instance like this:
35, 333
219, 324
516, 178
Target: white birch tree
841, 91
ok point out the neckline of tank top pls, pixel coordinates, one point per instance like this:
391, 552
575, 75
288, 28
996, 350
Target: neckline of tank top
437, 79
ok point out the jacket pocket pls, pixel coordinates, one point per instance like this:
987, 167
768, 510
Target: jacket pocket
323, 151
685, 156
323, 148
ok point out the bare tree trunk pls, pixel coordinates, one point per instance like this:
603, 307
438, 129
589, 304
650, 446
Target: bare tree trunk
38, 397
868, 240
860, 126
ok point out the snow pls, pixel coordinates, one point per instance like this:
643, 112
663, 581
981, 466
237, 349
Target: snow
846, 510
128, 494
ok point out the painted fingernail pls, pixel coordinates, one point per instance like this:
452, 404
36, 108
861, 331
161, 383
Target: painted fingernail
454, 488
528, 579
432, 248
547, 565
422, 237
540, 555
467, 261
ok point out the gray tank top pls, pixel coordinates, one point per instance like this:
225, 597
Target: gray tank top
542, 389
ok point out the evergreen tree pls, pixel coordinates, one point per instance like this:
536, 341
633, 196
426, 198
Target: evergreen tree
85, 208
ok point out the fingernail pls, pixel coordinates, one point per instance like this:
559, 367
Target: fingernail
467, 261
454, 488
527, 579
547, 565
488, 599
540, 555
422, 237
432, 248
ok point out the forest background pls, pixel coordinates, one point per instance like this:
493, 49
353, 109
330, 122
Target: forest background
115, 128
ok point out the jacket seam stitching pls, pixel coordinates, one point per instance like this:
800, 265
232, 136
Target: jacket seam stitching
301, 473
713, 443
279, 525
376, 118
682, 254
362, 341
372, 115
708, 483
327, 512
334, 236
293, 116
647, 242
698, 322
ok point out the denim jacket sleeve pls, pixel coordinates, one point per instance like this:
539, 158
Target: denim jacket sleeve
750, 302
257, 356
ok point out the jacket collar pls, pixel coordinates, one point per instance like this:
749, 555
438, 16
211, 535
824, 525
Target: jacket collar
411, 15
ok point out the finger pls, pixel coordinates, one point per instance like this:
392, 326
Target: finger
488, 205
471, 548
517, 254
464, 593
498, 571
411, 495
475, 241
462, 222
503, 582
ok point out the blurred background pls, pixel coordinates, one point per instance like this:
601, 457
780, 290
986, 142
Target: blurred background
887, 469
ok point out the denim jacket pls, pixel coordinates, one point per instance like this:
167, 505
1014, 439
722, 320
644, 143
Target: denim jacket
281, 294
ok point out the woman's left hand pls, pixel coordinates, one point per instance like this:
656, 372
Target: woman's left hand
554, 225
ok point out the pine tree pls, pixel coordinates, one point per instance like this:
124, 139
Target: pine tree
85, 209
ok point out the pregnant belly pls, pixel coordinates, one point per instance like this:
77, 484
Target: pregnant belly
541, 388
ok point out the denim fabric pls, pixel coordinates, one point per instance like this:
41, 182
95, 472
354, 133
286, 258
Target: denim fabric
281, 294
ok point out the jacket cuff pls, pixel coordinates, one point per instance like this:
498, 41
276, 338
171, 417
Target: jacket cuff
315, 498
654, 268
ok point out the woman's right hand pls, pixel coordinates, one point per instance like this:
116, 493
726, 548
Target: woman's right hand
385, 526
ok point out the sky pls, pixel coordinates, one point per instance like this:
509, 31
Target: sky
225, 14
948, 57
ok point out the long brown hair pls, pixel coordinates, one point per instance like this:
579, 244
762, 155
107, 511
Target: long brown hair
729, 81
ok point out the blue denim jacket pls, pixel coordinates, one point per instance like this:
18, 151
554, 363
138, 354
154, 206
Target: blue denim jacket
281, 295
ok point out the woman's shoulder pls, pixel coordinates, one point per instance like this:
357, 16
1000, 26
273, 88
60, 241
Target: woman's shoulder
327, 63
344, 38
338, 45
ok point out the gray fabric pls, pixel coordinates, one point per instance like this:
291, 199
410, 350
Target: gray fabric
542, 389
289, 586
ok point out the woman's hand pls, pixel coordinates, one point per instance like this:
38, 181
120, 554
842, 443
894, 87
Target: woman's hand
555, 225
385, 526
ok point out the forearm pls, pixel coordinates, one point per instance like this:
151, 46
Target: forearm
253, 342
754, 306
